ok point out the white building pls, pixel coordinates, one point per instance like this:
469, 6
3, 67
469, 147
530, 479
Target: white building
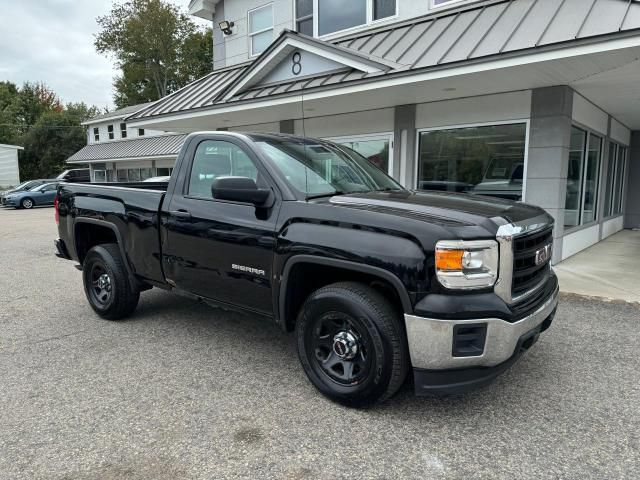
9, 167
117, 152
518, 98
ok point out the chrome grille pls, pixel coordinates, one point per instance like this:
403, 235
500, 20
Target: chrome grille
527, 273
519, 242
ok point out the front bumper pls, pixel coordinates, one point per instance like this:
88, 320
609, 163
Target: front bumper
432, 346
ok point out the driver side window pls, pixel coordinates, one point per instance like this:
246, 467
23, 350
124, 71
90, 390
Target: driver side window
214, 159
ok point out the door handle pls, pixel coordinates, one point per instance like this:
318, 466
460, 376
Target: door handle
181, 214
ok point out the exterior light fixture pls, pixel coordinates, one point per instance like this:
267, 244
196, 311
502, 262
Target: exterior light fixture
226, 27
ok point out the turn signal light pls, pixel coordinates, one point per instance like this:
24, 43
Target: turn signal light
56, 208
449, 260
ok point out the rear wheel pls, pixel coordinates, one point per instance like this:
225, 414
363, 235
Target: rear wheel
351, 344
26, 203
106, 283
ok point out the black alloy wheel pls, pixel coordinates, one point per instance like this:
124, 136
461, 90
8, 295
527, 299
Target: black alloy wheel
352, 344
107, 284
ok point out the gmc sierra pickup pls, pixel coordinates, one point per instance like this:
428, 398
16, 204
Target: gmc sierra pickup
375, 279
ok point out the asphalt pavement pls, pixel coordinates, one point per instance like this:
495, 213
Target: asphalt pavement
186, 391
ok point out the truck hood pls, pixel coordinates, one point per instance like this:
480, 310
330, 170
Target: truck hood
450, 208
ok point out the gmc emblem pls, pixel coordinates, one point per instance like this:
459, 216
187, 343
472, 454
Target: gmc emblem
544, 254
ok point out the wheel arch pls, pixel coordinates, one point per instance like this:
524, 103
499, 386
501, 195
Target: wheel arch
294, 289
89, 232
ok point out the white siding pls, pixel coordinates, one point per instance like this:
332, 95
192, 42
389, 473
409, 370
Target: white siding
587, 114
609, 227
358, 123
578, 241
484, 109
9, 171
620, 133
104, 132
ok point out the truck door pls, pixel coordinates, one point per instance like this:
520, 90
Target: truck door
220, 249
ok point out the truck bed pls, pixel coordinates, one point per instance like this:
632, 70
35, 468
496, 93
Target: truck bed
132, 208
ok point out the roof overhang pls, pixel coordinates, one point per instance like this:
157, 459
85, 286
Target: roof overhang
15, 147
571, 65
124, 159
203, 8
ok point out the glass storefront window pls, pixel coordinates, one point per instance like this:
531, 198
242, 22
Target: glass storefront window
583, 178
99, 176
145, 173
618, 185
376, 149
592, 173
121, 175
484, 160
574, 177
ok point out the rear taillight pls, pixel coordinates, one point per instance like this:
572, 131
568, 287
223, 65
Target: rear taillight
56, 205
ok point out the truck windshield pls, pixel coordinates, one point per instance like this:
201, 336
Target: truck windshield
318, 169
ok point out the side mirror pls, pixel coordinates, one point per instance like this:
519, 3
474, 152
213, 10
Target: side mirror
240, 189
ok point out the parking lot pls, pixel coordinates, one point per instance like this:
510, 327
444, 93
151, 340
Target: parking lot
186, 391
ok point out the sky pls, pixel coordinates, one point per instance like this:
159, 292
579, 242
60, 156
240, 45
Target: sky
52, 41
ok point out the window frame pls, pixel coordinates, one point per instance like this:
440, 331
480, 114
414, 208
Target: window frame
449, 4
383, 136
589, 132
104, 171
141, 132
525, 121
369, 20
123, 131
616, 209
111, 132
250, 34
186, 180
96, 134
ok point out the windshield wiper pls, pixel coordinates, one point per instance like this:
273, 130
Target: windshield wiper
321, 195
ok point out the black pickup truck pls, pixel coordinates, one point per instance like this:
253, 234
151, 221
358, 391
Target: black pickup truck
374, 279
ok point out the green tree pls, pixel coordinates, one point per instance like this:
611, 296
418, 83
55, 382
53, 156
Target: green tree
55, 136
156, 46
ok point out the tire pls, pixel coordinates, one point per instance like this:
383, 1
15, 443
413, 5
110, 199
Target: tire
334, 319
106, 283
26, 203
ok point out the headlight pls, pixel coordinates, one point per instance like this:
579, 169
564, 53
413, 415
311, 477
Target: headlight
467, 265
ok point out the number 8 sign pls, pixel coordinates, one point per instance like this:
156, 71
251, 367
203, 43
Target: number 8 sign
296, 67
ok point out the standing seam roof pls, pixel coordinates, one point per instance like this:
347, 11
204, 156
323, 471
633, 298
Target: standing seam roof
470, 32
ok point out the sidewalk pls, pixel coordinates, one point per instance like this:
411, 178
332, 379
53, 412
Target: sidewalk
609, 269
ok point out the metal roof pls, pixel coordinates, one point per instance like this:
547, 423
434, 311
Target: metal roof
143, 147
470, 33
120, 113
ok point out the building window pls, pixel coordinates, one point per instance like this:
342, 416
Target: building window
99, 176
163, 172
141, 132
145, 173
121, 175
260, 29
110, 132
324, 17
110, 176
581, 203
123, 130
378, 149
96, 134
615, 179
483, 160
304, 17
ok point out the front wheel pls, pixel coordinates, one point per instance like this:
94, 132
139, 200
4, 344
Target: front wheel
106, 283
351, 344
26, 203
